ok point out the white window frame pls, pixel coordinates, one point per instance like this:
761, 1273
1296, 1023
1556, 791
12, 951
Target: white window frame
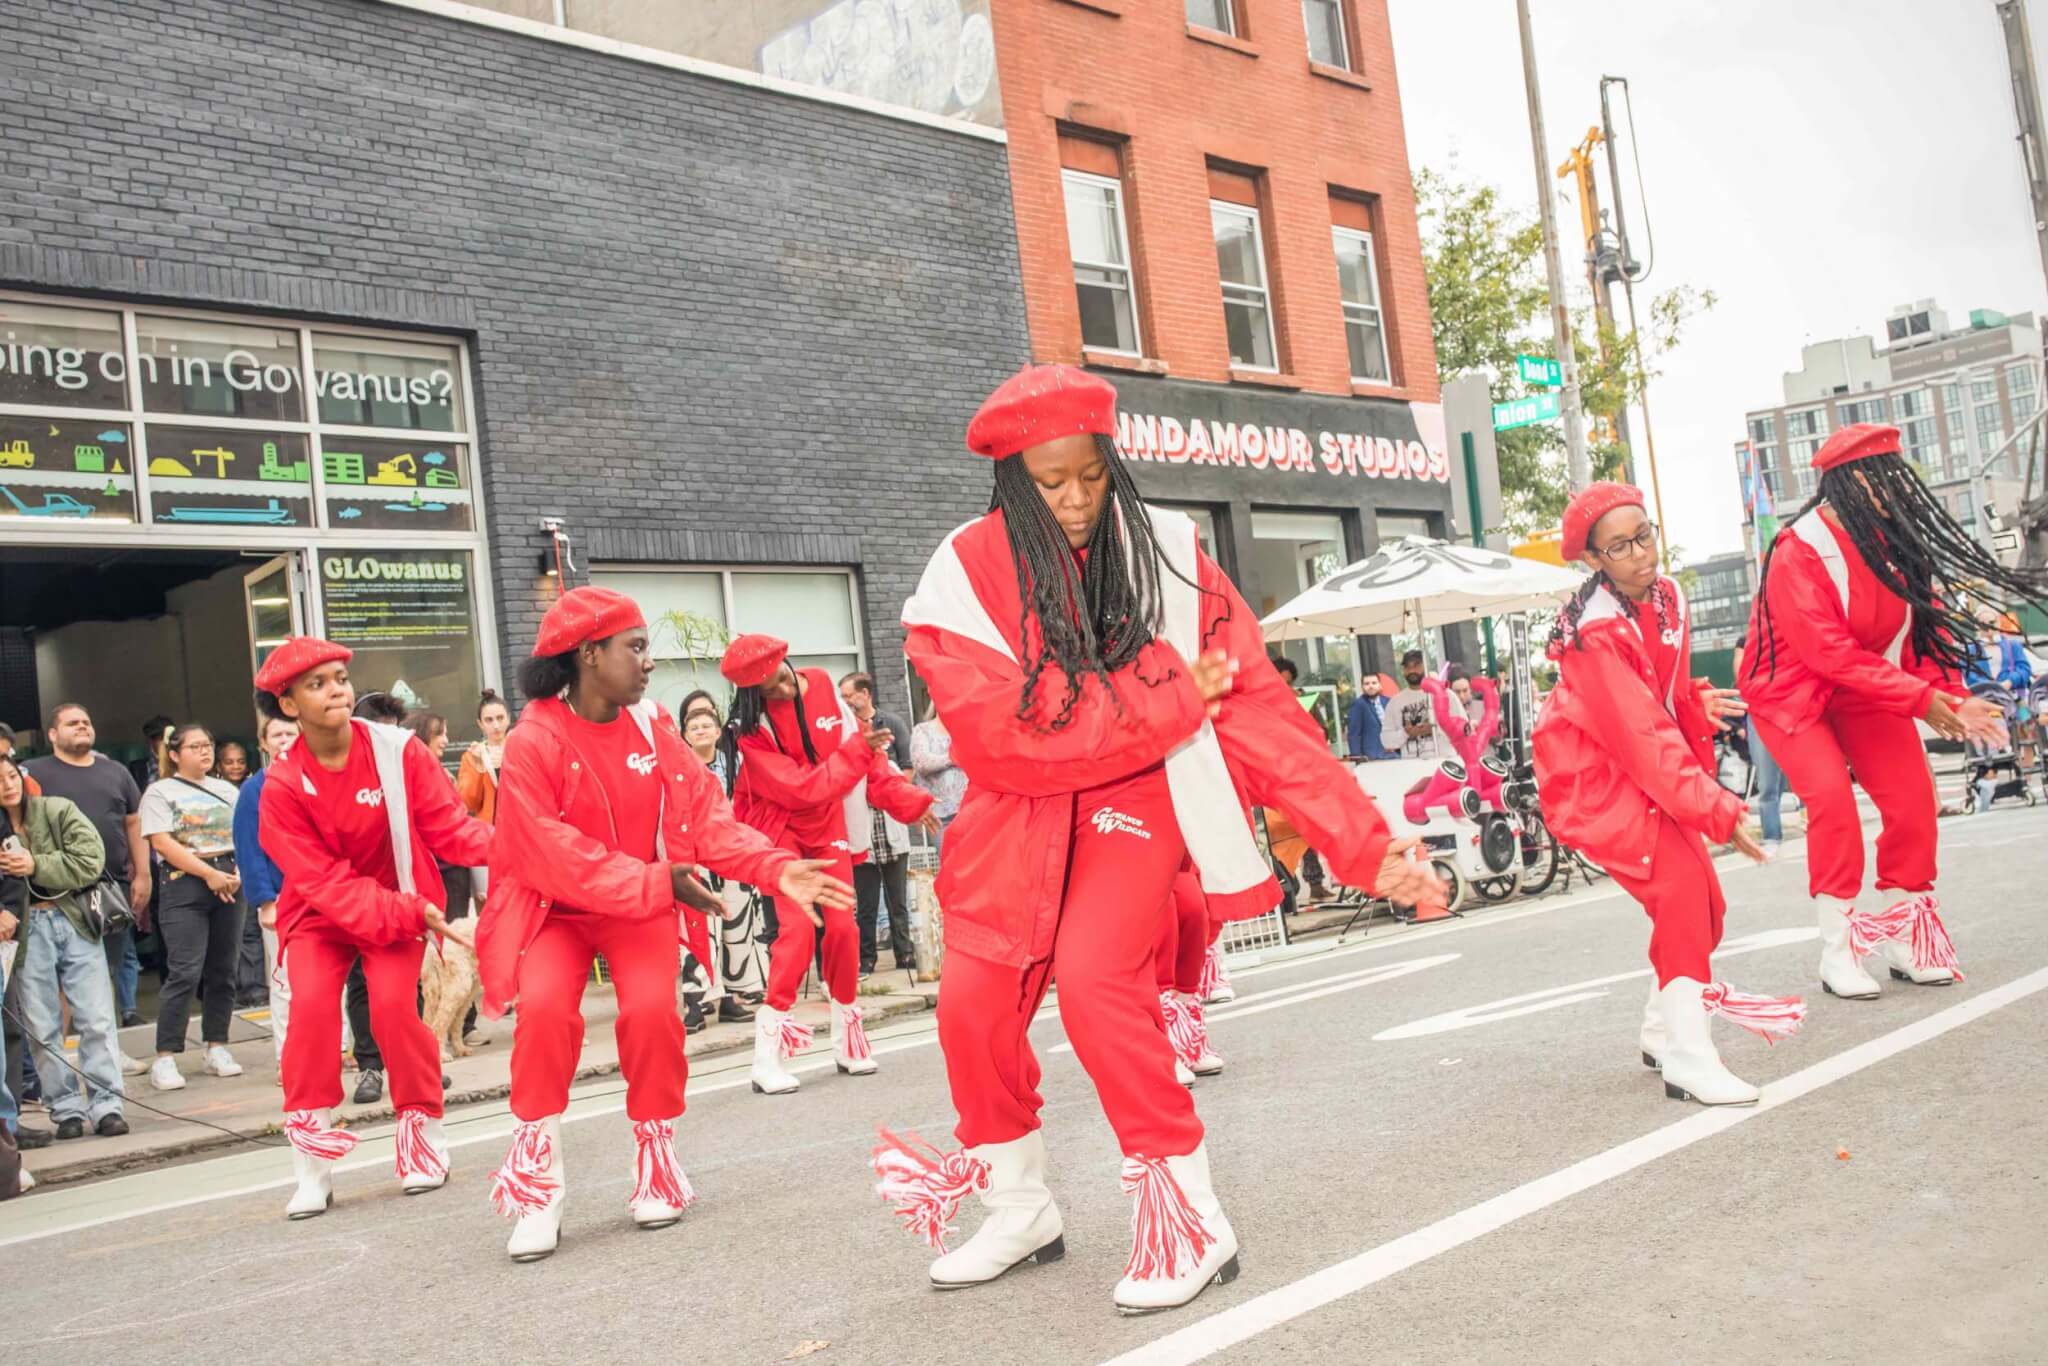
1129, 269
1343, 61
858, 648
1263, 289
310, 542
1229, 28
1379, 317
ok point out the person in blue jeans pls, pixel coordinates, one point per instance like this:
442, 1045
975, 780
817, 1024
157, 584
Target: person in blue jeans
1770, 779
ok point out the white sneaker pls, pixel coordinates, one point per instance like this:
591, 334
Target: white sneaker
220, 1062
164, 1074
132, 1067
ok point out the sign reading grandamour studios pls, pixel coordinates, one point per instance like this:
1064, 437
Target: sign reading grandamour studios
1297, 435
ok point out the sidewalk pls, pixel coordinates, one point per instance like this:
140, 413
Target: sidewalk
215, 1113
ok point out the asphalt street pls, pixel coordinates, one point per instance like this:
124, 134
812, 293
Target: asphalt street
1436, 1144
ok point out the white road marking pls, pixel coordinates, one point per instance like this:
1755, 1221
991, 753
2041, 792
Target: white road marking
1551, 998
1242, 1322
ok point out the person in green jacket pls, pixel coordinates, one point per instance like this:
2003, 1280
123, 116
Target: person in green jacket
50, 845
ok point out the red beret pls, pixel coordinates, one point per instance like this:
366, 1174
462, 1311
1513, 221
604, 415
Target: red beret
1857, 441
1588, 506
752, 660
1042, 403
296, 658
585, 614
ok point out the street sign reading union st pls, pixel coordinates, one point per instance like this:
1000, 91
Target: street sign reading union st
1521, 412
1539, 370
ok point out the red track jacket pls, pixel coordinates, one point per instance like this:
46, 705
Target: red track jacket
1611, 753
542, 856
1004, 872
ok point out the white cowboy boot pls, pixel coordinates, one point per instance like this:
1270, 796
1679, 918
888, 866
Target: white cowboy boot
1023, 1224
422, 1153
850, 1051
774, 1031
1180, 1241
1651, 1038
1692, 1069
316, 1146
661, 1189
531, 1187
1840, 972
1182, 1073
1922, 923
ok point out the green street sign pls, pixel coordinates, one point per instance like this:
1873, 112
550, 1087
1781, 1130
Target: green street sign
1521, 412
1539, 370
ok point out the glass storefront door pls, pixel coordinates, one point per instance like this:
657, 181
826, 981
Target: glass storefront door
274, 597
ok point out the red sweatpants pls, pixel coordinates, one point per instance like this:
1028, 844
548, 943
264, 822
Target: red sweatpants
317, 959
1119, 872
547, 1037
795, 936
1683, 898
1884, 751
1184, 938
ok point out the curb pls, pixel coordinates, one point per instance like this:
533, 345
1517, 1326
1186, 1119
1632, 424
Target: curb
269, 1133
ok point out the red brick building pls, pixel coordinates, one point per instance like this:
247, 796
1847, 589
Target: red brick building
1214, 208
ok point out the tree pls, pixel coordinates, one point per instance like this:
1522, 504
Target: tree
1489, 302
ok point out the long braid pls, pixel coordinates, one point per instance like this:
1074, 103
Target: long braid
1917, 551
1092, 619
803, 725
749, 712
1566, 629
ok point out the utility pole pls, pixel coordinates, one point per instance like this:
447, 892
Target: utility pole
1578, 468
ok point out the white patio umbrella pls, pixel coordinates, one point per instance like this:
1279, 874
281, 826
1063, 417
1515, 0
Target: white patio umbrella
1416, 582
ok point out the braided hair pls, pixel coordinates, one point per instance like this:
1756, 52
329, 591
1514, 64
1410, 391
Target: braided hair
1914, 548
1092, 619
1566, 630
749, 712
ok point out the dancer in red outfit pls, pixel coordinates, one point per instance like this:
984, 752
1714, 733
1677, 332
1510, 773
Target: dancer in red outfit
1624, 758
1856, 632
806, 776
1081, 650
354, 814
602, 814
1185, 943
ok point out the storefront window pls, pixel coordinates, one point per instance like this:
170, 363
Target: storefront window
192, 367
418, 485
229, 476
59, 469
410, 617
686, 629
381, 382
1204, 519
61, 357
1292, 551
812, 611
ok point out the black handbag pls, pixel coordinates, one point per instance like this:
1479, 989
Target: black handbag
106, 908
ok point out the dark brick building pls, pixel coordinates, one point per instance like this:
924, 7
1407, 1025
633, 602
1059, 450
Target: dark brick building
375, 288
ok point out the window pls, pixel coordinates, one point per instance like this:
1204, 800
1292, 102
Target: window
1912, 403
1923, 446
1215, 14
1359, 282
1865, 410
1983, 391
1204, 519
2020, 379
1291, 551
1810, 422
692, 614
1102, 262
1990, 429
1765, 428
1326, 42
1247, 310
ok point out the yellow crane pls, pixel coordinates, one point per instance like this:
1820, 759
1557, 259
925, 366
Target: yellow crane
1578, 167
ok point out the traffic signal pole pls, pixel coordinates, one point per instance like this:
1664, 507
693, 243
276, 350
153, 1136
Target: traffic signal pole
1577, 465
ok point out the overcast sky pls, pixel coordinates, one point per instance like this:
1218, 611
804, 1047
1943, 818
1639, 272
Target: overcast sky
1813, 162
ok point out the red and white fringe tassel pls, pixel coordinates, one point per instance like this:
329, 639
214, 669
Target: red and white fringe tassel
416, 1155
1213, 975
657, 1171
794, 1038
302, 1130
1186, 1030
1932, 948
925, 1186
1770, 1017
1167, 1237
525, 1185
1868, 930
853, 1040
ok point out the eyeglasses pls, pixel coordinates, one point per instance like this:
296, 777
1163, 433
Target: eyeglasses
1643, 542
196, 744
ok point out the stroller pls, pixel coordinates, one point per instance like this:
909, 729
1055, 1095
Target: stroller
1994, 771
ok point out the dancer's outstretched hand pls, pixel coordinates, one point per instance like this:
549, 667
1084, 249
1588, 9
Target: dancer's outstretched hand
1723, 705
1983, 721
1214, 673
1410, 882
805, 881
438, 922
1746, 845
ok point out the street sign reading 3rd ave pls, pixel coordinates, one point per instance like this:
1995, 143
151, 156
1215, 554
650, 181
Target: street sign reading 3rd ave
1520, 412
1539, 370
